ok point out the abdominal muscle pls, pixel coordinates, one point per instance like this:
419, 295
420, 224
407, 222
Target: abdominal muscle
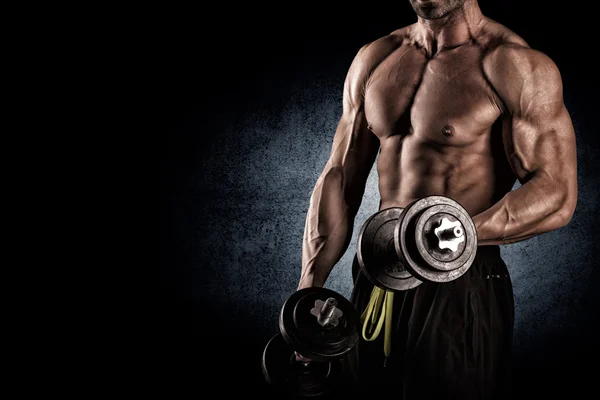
410, 168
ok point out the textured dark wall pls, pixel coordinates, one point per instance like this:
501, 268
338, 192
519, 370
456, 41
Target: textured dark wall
250, 125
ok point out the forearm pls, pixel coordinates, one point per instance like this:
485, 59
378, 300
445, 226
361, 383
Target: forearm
328, 229
539, 206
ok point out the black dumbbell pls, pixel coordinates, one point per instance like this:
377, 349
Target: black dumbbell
432, 239
320, 325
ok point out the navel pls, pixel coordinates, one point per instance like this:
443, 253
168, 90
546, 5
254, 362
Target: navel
448, 130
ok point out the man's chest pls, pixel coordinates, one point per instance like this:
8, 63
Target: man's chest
447, 95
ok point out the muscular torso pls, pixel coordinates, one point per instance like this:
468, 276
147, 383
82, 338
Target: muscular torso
460, 110
439, 124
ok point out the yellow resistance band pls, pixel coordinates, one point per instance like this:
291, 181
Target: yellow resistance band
380, 309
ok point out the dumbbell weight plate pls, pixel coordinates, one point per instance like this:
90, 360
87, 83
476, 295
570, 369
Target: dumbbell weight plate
415, 239
377, 255
289, 376
301, 330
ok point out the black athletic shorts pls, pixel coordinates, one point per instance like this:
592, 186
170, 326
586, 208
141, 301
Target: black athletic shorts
450, 340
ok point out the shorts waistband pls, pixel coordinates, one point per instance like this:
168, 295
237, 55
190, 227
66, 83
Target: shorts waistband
488, 251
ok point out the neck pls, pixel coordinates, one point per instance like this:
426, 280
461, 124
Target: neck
454, 29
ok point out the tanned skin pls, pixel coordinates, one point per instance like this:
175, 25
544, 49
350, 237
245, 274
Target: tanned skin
455, 105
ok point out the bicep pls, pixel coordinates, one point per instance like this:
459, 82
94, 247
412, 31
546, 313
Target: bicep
341, 185
354, 148
538, 135
541, 142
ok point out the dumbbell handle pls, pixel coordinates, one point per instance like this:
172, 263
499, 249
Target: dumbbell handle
327, 312
450, 234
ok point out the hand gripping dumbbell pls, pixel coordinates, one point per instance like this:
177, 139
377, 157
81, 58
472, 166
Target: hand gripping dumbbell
320, 325
432, 239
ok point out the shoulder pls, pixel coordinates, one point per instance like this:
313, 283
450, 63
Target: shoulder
492, 34
371, 54
512, 66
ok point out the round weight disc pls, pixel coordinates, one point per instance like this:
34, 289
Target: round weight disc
377, 255
414, 239
281, 369
428, 243
300, 327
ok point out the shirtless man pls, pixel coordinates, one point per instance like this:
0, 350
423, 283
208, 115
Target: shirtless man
454, 105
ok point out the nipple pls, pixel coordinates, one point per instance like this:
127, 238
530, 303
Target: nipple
448, 131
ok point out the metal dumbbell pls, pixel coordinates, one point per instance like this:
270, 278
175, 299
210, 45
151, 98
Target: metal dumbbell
320, 325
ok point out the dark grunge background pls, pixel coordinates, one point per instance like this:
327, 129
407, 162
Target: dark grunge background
255, 94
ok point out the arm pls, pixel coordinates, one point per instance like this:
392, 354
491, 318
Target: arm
539, 141
338, 192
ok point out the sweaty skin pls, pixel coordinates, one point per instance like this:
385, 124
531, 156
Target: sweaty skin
458, 106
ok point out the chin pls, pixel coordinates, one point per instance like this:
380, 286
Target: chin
429, 12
